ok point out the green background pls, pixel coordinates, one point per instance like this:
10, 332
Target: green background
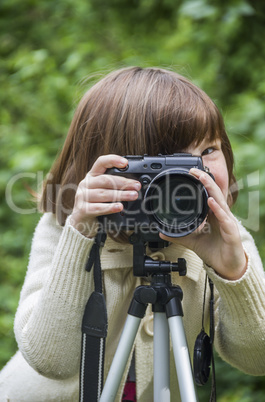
51, 51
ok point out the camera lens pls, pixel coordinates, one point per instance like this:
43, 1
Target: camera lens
177, 202
178, 199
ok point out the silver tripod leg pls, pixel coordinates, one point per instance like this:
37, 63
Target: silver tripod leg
120, 359
161, 358
182, 360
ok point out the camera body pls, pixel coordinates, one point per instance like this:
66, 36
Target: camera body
171, 200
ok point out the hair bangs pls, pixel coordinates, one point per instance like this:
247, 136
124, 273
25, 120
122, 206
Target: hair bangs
188, 117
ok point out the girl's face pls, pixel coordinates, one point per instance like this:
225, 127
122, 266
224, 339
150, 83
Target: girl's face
213, 157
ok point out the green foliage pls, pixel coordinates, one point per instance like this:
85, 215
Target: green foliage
50, 52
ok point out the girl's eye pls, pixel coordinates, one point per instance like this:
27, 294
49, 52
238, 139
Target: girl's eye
208, 151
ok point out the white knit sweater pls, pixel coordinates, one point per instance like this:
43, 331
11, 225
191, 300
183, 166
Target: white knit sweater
57, 287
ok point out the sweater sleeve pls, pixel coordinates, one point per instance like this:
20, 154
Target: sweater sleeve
53, 297
240, 313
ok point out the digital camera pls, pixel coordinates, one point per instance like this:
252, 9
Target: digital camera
171, 200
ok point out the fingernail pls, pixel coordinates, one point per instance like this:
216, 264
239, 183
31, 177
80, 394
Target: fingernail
137, 186
123, 161
133, 194
117, 207
195, 171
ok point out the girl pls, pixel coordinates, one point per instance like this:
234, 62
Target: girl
132, 111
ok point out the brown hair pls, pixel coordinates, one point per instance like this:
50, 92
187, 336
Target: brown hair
132, 111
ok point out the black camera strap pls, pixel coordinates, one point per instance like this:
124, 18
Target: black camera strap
203, 357
213, 389
94, 331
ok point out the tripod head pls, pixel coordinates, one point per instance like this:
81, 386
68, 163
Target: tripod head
144, 265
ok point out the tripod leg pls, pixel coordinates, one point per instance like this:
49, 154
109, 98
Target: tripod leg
182, 360
161, 358
120, 359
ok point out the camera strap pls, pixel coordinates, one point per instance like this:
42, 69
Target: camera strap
203, 357
94, 331
213, 387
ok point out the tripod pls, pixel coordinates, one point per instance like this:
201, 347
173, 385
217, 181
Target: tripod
166, 303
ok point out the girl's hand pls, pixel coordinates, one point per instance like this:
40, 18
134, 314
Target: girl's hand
101, 194
218, 242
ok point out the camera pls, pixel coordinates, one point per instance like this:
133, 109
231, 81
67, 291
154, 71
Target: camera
171, 200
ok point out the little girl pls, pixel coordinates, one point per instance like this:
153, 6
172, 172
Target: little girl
132, 111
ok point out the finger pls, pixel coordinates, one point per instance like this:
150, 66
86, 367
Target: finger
101, 195
105, 162
111, 182
98, 209
227, 224
212, 188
